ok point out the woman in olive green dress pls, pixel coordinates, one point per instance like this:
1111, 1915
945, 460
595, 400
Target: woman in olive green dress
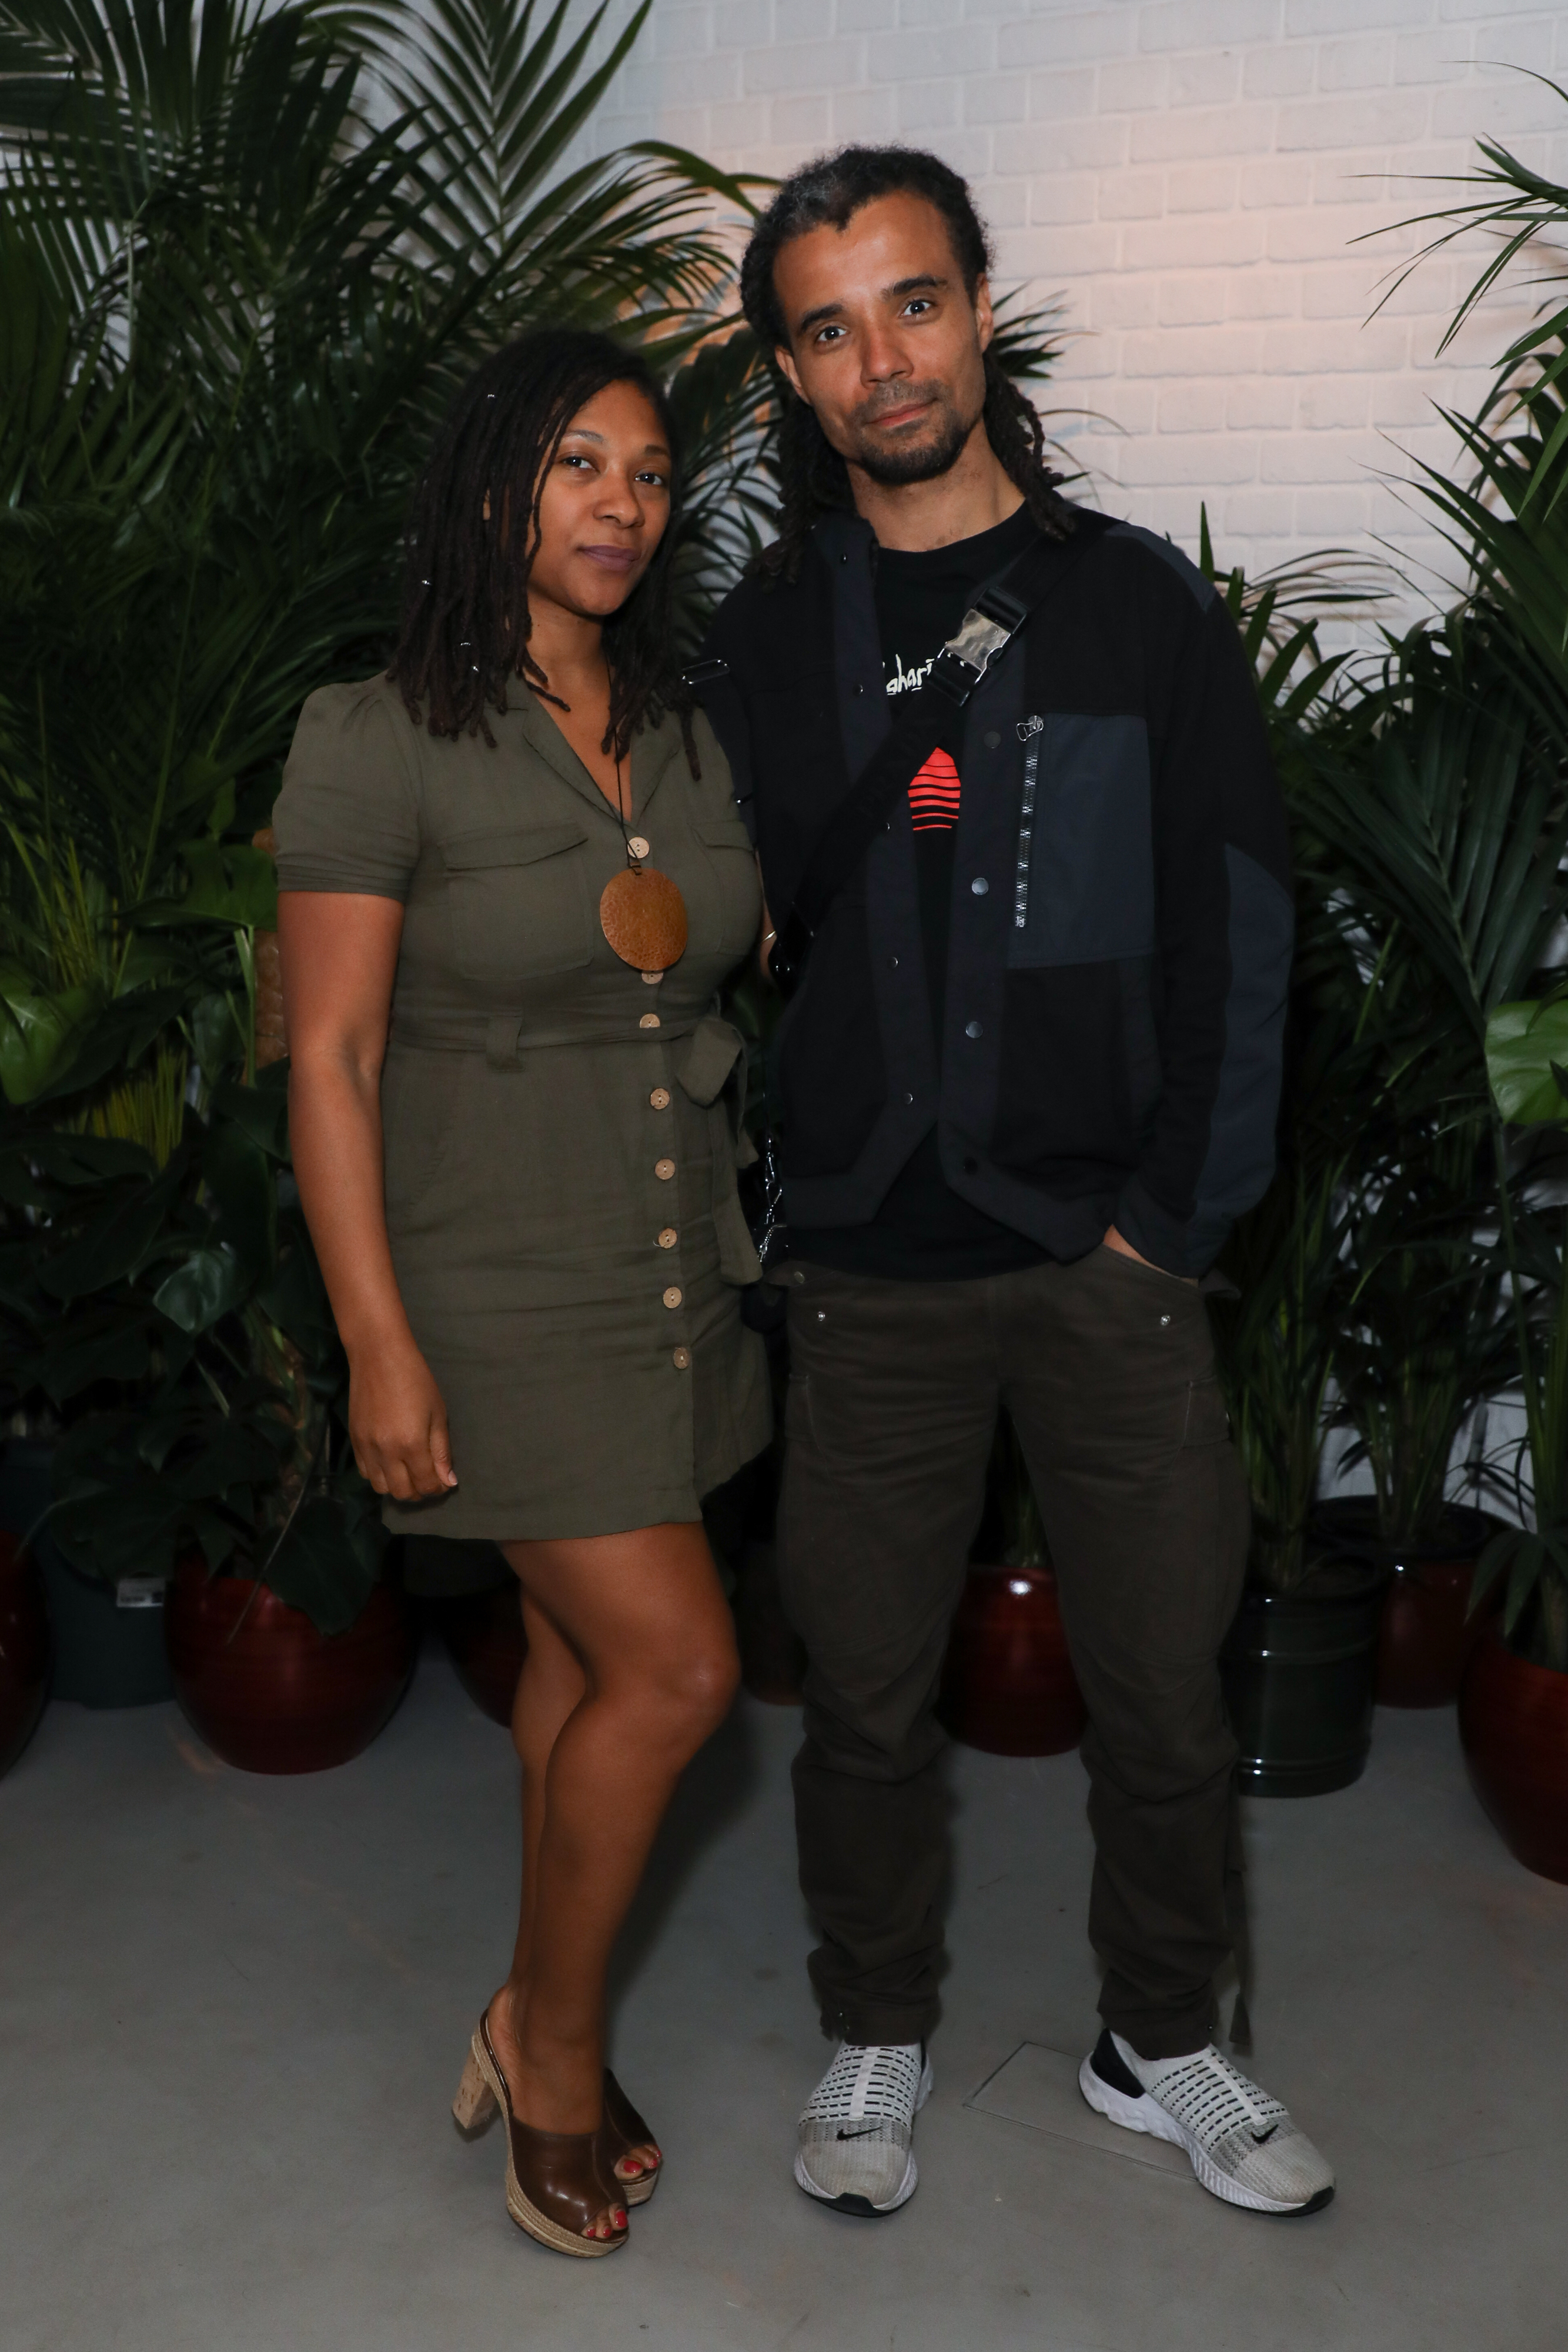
515, 1116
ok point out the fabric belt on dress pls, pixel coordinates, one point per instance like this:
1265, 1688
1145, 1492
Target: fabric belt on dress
504, 1038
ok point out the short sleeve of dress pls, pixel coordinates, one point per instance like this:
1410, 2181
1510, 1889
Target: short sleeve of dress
347, 817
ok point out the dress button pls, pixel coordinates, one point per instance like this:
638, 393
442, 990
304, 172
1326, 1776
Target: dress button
649, 1021
973, 1029
668, 1238
652, 978
980, 886
672, 1297
663, 1170
659, 1098
637, 846
682, 1360
992, 740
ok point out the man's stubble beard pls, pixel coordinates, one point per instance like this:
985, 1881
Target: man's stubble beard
924, 461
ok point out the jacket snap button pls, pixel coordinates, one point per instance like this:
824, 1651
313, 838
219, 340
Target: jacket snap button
860, 689
980, 886
973, 1029
909, 1098
992, 739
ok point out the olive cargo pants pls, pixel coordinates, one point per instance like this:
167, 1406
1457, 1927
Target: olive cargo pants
1106, 1367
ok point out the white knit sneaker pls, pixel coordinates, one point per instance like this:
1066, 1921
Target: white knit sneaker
853, 2151
1241, 2144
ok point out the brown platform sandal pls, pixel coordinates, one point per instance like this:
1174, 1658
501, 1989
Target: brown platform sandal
624, 2130
557, 2183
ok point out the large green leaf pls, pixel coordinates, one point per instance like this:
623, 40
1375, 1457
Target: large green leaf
1527, 1061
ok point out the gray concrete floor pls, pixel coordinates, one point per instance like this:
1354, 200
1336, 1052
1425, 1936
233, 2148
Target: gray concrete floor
233, 2009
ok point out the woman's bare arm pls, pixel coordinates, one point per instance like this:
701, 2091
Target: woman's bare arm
340, 955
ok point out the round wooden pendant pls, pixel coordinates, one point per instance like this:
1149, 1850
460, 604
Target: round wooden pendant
644, 917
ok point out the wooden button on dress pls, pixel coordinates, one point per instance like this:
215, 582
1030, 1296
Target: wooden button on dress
649, 1021
667, 1238
672, 1297
659, 1098
682, 1360
663, 1170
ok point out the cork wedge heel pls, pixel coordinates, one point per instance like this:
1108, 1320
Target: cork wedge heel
559, 2184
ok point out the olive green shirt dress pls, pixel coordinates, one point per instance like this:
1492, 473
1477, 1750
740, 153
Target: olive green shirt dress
561, 1133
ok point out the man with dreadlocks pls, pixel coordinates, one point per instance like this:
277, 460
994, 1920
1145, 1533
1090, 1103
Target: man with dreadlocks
1027, 1078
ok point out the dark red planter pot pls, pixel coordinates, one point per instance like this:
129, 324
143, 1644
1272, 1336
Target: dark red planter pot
1513, 1728
484, 1633
269, 1693
1008, 1685
24, 1649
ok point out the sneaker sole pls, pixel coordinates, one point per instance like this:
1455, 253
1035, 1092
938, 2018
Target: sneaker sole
1146, 2115
862, 2206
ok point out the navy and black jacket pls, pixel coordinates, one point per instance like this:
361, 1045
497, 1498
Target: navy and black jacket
1121, 918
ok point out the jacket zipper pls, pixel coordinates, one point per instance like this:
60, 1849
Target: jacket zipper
1026, 835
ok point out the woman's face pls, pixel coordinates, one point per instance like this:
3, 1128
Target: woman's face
604, 504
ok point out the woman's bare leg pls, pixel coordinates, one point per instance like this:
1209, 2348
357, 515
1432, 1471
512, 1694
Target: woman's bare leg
647, 1624
549, 1689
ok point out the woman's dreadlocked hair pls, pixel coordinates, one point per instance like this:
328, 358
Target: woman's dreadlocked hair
474, 529
814, 478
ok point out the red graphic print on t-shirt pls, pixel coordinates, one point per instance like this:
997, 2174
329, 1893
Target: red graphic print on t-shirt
933, 795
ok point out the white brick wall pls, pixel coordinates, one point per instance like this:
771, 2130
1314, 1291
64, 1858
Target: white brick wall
1189, 175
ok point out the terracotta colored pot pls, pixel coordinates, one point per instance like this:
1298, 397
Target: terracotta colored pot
1008, 1685
1425, 1640
484, 1633
1513, 1728
265, 1689
24, 1649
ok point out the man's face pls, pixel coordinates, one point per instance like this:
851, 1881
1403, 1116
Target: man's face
883, 340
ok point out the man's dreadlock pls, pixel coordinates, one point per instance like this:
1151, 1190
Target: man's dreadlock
474, 529
814, 478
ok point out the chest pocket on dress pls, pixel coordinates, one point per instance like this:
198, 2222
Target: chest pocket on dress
520, 901
727, 852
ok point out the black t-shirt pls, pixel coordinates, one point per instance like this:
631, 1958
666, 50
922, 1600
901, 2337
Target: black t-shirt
923, 1231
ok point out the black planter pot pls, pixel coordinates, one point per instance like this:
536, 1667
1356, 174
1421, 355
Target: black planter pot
1428, 1635
1298, 1671
106, 1654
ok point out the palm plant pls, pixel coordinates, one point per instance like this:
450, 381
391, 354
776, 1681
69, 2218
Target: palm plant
1441, 807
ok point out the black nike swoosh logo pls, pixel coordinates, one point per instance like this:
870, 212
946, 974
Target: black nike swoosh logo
1261, 2136
860, 2134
